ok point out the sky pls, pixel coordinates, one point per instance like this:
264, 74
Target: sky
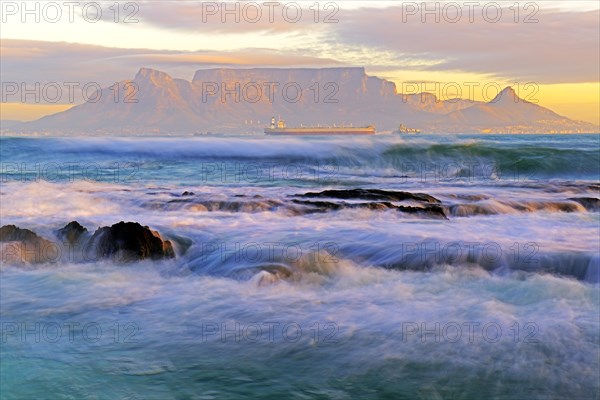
548, 50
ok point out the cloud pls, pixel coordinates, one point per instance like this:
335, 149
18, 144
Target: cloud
234, 17
38, 61
563, 47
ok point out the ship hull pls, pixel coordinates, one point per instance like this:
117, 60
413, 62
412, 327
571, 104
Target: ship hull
319, 131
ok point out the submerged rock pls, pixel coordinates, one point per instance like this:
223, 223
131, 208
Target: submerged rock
433, 211
320, 206
311, 202
590, 203
221, 205
130, 241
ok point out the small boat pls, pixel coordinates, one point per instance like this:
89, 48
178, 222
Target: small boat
402, 129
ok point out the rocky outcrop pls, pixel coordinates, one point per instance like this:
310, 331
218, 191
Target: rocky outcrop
421, 204
430, 211
372, 194
121, 243
72, 232
19, 246
12, 233
130, 241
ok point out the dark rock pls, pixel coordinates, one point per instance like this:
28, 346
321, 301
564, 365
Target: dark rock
130, 241
72, 232
375, 199
186, 193
320, 206
371, 194
25, 246
434, 211
381, 200
12, 233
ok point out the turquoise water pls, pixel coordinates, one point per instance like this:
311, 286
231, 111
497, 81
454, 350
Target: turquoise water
266, 300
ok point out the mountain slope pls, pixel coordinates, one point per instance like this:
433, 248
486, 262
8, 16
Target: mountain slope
505, 109
429, 102
151, 101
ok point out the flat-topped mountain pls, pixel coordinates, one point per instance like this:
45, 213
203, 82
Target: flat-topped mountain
234, 100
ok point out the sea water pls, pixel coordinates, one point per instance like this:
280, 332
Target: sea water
266, 299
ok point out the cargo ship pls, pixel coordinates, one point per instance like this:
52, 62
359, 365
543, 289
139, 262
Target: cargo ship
278, 128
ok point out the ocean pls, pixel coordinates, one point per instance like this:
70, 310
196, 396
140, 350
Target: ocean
288, 283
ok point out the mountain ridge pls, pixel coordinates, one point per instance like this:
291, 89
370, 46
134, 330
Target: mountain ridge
238, 100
